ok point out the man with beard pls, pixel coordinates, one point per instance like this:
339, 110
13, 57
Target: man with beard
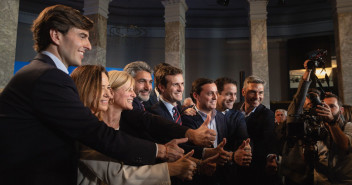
142, 73
143, 124
329, 160
260, 127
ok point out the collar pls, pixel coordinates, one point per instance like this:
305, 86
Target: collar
204, 115
244, 112
56, 60
225, 111
168, 105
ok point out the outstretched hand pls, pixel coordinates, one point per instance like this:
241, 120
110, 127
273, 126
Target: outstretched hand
203, 136
243, 155
173, 151
183, 168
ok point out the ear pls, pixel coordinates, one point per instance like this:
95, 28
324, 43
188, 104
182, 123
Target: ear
243, 92
342, 109
55, 36
195, 96
161, 88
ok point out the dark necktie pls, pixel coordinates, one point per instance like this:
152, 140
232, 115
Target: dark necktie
142, 106
176, 116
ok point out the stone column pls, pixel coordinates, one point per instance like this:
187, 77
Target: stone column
9, 10
97, 11
343, 44
259, 44
175, 21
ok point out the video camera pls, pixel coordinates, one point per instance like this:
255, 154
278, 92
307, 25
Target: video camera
307, 125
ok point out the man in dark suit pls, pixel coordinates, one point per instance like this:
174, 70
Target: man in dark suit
260, 126
165, 129
204, 91
41, 115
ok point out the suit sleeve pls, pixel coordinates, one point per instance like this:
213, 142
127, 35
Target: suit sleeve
114, 172
56, 104
159, 128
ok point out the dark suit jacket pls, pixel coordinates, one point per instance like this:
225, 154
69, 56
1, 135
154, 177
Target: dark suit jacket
260, 126
236, 128
41, 117
148, 126
161, 110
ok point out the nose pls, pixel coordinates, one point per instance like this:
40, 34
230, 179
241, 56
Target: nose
108, 93
133, 94
214, 96
148, 86
87, 45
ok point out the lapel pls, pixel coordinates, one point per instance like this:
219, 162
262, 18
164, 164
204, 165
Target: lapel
165, 111
220, 126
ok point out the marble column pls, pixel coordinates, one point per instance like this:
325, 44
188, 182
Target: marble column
175, 21
97, 11
343, 44
9, 10
259, 43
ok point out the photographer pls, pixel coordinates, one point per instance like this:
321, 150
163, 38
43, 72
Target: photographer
318, 145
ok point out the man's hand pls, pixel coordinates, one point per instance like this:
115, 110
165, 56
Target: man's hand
190, 112
224, 156
173, 151
271, 165
208, 166
243, 155
325, 112
203, 136
183, 168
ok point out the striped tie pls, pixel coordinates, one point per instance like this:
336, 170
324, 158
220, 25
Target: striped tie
176, 116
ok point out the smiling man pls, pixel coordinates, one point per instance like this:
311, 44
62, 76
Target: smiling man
260, 127
42, 116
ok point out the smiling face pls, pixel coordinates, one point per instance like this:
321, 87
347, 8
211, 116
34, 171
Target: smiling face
174, 88
207, 98
103, 104
144, 85
227, 97
253, 94
72, 45
123, 96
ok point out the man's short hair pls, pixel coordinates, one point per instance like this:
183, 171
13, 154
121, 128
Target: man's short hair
160, 75
197, 86
253, 79
58, 17
221, 82
331, 95
159, 66
281, 110
133, 67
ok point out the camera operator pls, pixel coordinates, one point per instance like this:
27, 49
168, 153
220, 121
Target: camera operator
323, 157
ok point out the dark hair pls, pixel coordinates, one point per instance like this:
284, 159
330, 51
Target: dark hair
160, 75
88, 80
197, 86
58, 17
221, 82
159, 66
331, 95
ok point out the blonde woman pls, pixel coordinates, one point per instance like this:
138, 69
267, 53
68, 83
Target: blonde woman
95, 168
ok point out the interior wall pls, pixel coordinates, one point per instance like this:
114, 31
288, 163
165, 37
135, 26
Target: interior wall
210, 58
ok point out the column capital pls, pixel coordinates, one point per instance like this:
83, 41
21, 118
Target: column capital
342, 6
96, 7
175, 10
257, 9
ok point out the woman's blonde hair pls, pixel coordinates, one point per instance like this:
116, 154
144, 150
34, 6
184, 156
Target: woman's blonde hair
120, 78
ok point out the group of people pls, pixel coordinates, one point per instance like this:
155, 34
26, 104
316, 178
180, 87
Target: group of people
99, 127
